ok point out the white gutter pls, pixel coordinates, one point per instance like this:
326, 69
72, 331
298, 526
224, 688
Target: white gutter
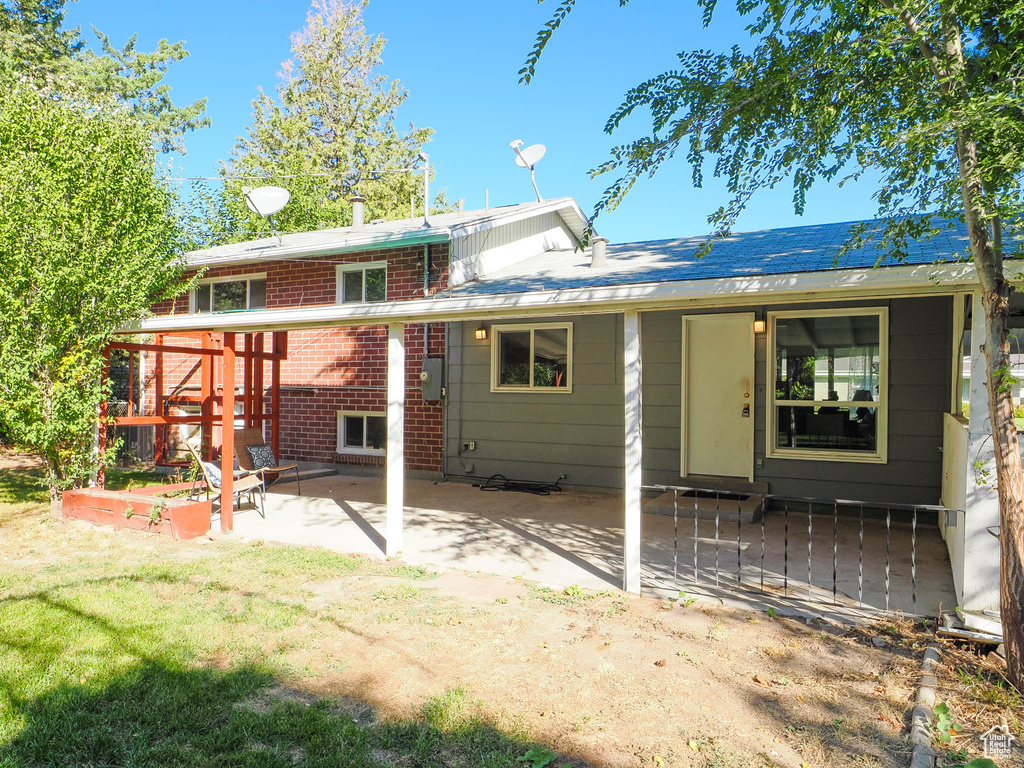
359, 241
886, 282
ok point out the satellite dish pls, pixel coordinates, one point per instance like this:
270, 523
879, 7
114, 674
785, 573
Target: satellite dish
528, 158
266, 201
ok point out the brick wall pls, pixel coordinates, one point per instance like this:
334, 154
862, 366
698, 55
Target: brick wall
337, 369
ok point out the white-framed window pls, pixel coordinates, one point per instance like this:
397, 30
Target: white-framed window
362, 283
828, 384
230, 294
531, 357
363, 432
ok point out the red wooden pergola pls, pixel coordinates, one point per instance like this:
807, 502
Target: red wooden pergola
217, 355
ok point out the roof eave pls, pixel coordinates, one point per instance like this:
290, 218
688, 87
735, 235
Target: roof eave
345, 244
856, 284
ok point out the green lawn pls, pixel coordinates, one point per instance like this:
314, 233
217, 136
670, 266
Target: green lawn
117, 652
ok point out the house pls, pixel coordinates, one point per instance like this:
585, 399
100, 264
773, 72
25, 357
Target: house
487, 341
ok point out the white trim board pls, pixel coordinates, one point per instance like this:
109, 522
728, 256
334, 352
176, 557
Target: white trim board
855, 284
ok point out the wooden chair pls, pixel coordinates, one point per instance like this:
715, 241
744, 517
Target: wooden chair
250, 482
254, 436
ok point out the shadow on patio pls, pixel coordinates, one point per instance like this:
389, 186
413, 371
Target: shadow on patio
576, 538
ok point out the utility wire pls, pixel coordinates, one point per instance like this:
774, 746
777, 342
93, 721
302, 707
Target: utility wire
339, 174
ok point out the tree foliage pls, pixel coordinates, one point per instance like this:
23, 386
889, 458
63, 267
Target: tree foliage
329, 133
924, 96
34, 44
87, 245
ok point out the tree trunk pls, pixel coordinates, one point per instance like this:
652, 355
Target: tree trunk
1010, 480
995, 300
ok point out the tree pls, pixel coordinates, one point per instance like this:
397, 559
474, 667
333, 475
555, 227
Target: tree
35, 45
925, 96
330, 133
88, 244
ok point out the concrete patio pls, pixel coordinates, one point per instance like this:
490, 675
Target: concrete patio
576, 538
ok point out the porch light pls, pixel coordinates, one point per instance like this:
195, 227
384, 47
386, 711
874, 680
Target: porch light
481, 333
760, 326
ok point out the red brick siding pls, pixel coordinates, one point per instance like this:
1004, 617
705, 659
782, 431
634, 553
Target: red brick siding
335, 369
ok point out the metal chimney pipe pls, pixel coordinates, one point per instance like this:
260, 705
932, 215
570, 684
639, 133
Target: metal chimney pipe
598, 254
358, 212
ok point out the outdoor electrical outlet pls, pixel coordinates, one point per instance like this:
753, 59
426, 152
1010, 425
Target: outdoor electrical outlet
469, 445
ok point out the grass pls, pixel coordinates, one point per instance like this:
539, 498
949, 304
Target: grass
115, 652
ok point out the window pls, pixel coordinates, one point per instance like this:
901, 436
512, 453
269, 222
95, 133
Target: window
360, 432
361, 283
531, 357
230, 294
829, 399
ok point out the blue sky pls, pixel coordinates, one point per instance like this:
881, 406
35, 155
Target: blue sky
459, 60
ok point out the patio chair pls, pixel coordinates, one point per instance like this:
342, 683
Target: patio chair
252, 437
247, 482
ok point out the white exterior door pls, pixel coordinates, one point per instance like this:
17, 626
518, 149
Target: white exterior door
718, 395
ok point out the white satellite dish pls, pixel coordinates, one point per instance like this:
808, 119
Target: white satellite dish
266, 201
528, 158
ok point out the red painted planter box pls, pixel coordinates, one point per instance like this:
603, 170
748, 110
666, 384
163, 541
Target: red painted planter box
179, 518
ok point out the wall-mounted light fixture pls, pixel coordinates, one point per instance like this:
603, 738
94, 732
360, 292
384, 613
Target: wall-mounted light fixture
481, 333
760, 326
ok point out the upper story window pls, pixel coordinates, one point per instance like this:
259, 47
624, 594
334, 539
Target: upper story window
361, 283
830, 395
529, 357
230, 294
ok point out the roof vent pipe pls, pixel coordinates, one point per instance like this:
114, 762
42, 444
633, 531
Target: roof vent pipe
598, 254
358, 212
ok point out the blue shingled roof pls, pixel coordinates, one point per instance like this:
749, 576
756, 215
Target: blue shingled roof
770, 252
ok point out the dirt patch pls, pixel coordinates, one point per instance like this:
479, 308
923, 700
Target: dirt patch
15, 460
606, 679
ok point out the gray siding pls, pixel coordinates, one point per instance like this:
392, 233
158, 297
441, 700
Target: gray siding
534, 435
539, 436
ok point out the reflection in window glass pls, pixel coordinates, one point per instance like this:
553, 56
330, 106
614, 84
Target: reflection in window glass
257, 294
203, 298
832, 358
352, 287
229, 297
827, 427
831, 365
376, 432
353, 431
513, 358
376, 284
550, 357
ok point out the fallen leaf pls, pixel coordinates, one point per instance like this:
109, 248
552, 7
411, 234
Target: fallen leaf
761, 681
603, 646
800, 697
694, 745
659, 760
660, 663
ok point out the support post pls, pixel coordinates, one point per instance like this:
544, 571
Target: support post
158, 400
396, 439
258, 411
101, 431
227, 437
206, 407
280, 342
247, 377
980, 579
632, 378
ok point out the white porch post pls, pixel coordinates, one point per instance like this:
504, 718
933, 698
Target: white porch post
633, 362
981, 549
396, 439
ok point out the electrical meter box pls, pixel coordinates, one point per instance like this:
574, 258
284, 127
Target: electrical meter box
432, 378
